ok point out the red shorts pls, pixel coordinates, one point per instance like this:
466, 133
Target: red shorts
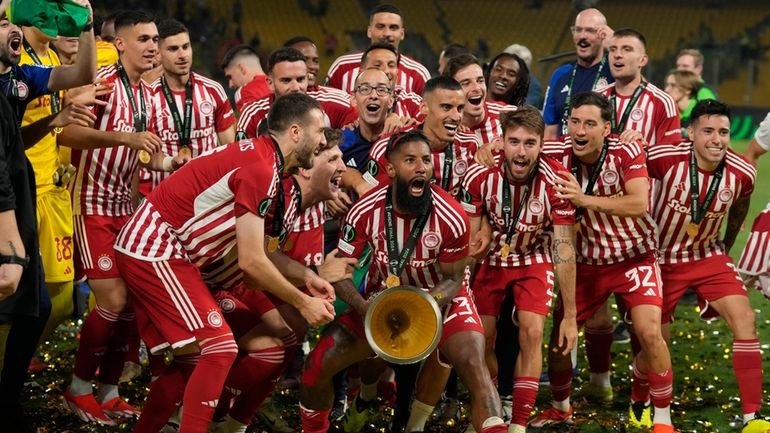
174, 306
532, 287
636, 281
95, 240
712, 278
459, 316
243, 308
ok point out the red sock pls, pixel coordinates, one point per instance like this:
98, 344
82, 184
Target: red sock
261, 370
561, 383
598, 347
205, 384
640, 385
314, 421
524, 395
661, 387
747, 364
165, 394
93, 341
112, 364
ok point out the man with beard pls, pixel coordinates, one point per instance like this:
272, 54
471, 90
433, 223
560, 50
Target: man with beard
689, 218
616, 249
386, 26
452, 151
480, 116
195, 218
287, 73
518, 197
244, 74
588, 73
436, 231
193, 111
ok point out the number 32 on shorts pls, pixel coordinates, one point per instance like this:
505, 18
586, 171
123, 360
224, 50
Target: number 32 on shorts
645, 277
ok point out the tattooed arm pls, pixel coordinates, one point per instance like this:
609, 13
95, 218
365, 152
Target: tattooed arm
10, 245
735, 218
563, 256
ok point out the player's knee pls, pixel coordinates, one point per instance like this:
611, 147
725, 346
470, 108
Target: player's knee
531, 336
649, 335
742, 320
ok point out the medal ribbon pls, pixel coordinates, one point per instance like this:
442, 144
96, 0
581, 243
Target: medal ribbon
449, 160
55, 102
568, 99
699, 209
396, 260
182, 128
592, 178
617, 128
279, 199
139, 116
510, 223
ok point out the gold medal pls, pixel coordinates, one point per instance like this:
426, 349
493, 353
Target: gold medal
392, 281
505, 250
288, 245
57, 130
144, 157
692, 229
272, 245
185, 152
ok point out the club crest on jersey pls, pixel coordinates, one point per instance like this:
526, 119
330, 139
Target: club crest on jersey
22, 89
264, 206
214, 318
637, 114
431, 240
610, 177
535, 206
460, 167
725, 195
227, 305
373, 168
601, 83
104, 262
348, 233
206, 107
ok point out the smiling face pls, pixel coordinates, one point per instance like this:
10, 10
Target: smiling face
138, 46
586, 35
309, 50
326, 174
627, 57
373, 107
710, 135
384, 60
411, 167
443, 111
588, 131
176, 54
288, 77
521, 148
471, 78
10, 42
386, 27
503, 76
309, 137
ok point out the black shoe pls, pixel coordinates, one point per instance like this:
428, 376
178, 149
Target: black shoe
621, 335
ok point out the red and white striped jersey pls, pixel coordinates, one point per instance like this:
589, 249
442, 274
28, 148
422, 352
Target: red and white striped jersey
669, 167
407, 104
224, 274
212, 113
482, 194
412, 75
337, 106
191, 215
603, 238
755, 258
254, 90
464, 148
655, 114
102, 185
444, 238
489, 128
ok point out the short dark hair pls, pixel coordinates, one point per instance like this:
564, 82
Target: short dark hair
170, 27
454, 64
629, 32
527, 117
595, 99
238, 51
284, 54
296, 40
440, 82
399, 139
289, 109
385, 9
454, 50
709, 107
379, 46
130, 18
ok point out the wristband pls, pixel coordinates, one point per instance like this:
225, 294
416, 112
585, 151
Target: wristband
168, 164
88, 27
14, 260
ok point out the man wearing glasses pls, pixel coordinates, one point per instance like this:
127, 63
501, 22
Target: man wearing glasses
589, 72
